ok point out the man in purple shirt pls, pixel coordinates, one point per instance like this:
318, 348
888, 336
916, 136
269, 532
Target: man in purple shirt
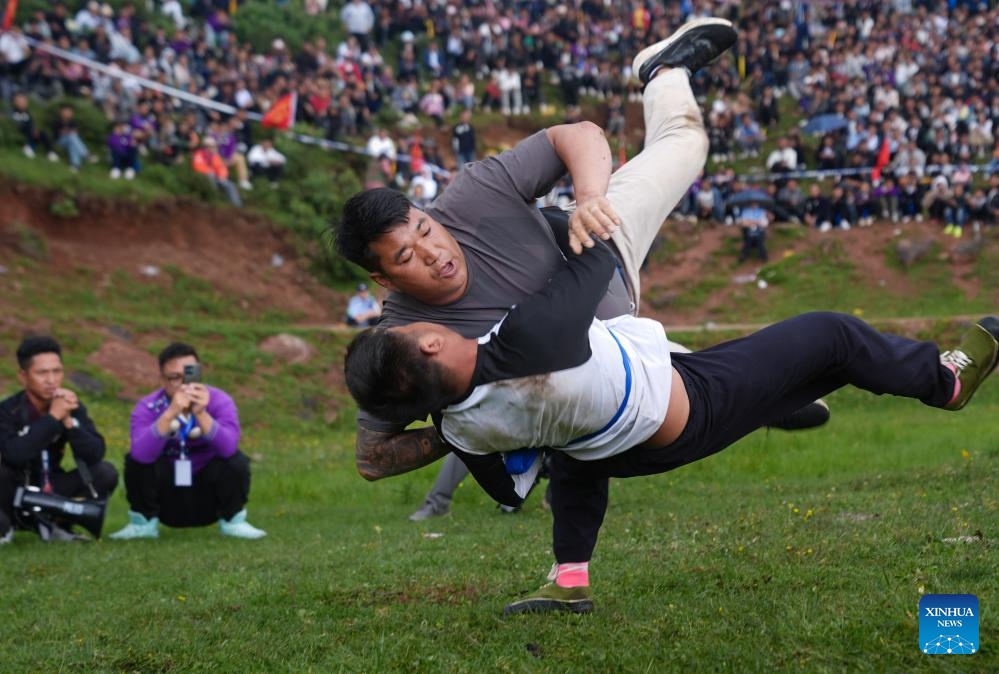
184, 466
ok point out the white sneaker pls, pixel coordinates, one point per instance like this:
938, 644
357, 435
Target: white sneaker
845, 224
245, 185
138, 527
52, 156
28, 152
238, 527
825, 226
130, 174
115, 173
7, 537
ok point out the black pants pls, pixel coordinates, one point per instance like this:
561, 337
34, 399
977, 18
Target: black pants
65, 483
739, 386
220, 490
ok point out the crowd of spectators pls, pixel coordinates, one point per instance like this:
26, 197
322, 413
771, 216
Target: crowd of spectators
919, 76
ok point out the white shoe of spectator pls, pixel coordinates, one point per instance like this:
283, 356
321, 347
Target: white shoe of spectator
919, 217
845, 224
506, 112
115, 173
52, 156
28, 152
825, 226
129, 173
245, 185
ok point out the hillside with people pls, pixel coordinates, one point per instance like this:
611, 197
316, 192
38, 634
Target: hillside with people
402, 98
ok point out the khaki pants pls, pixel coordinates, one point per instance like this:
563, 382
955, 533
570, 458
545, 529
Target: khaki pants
646, 188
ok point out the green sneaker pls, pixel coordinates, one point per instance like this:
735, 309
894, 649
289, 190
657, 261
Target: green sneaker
551, 598
138, 527
974, 359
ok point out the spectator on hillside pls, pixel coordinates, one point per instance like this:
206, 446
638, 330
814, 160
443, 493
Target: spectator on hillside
358, 19
511, 96
938, 198
66, 133
463, 139
184, 466
124, 153
783, 158
614, 125
381, 144
34, 137
14, 60
753, 220
207, 162
843, 211
749, 135
380, 172
424, 180
363, 310
234, 158
956, 212
818, 212
791, 200
910, 197
265, 160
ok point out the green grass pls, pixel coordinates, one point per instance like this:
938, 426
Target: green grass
803, 552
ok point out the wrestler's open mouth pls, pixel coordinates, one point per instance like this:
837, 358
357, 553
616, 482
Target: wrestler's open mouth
448, 270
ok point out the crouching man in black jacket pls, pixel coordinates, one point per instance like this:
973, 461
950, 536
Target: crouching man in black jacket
36, 425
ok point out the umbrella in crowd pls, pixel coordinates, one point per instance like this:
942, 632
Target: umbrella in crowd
825, 123
747, 197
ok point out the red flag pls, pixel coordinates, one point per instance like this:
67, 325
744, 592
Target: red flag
282, 113
883, 156
8, 16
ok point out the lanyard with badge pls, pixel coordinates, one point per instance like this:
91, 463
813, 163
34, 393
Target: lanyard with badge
182, 466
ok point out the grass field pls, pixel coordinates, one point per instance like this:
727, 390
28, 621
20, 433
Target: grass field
789, 552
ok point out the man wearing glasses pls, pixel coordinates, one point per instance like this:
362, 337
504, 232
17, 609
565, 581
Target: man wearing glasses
184, 467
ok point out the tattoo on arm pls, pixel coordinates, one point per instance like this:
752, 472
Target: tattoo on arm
381, 455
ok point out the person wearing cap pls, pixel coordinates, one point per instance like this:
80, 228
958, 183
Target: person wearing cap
363, 310
207, 162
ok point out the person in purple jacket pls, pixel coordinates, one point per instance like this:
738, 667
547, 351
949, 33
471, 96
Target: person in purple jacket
124, 153
184, 466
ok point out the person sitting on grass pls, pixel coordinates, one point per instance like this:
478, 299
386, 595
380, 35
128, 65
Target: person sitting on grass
266, 161
612, 401
124, 151
207, 162
34, 138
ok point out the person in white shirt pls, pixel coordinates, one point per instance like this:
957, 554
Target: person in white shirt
783, 158
266, 161
381, 144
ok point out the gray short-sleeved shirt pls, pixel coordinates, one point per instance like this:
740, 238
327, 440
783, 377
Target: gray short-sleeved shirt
509, 248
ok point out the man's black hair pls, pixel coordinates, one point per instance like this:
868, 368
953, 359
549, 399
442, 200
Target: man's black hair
177, 350
34, 346
366, 216
390, 378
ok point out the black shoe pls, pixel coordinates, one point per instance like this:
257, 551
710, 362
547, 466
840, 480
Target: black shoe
811, 415
693, 46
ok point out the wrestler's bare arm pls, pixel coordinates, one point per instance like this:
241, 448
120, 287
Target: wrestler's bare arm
380, 454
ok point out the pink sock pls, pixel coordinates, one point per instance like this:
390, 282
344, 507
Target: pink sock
957, 383
575, 574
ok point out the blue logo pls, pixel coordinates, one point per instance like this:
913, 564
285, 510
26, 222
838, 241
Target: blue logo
948, 624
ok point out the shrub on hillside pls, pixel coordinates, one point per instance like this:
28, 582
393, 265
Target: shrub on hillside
259, 22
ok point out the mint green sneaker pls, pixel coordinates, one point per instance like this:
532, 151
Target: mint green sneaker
551, 598
138, 527
237, 527
974, 359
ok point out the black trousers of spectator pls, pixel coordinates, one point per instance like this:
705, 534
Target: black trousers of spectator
219, 490
272, 173
65, 483
753, 238
739, 386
